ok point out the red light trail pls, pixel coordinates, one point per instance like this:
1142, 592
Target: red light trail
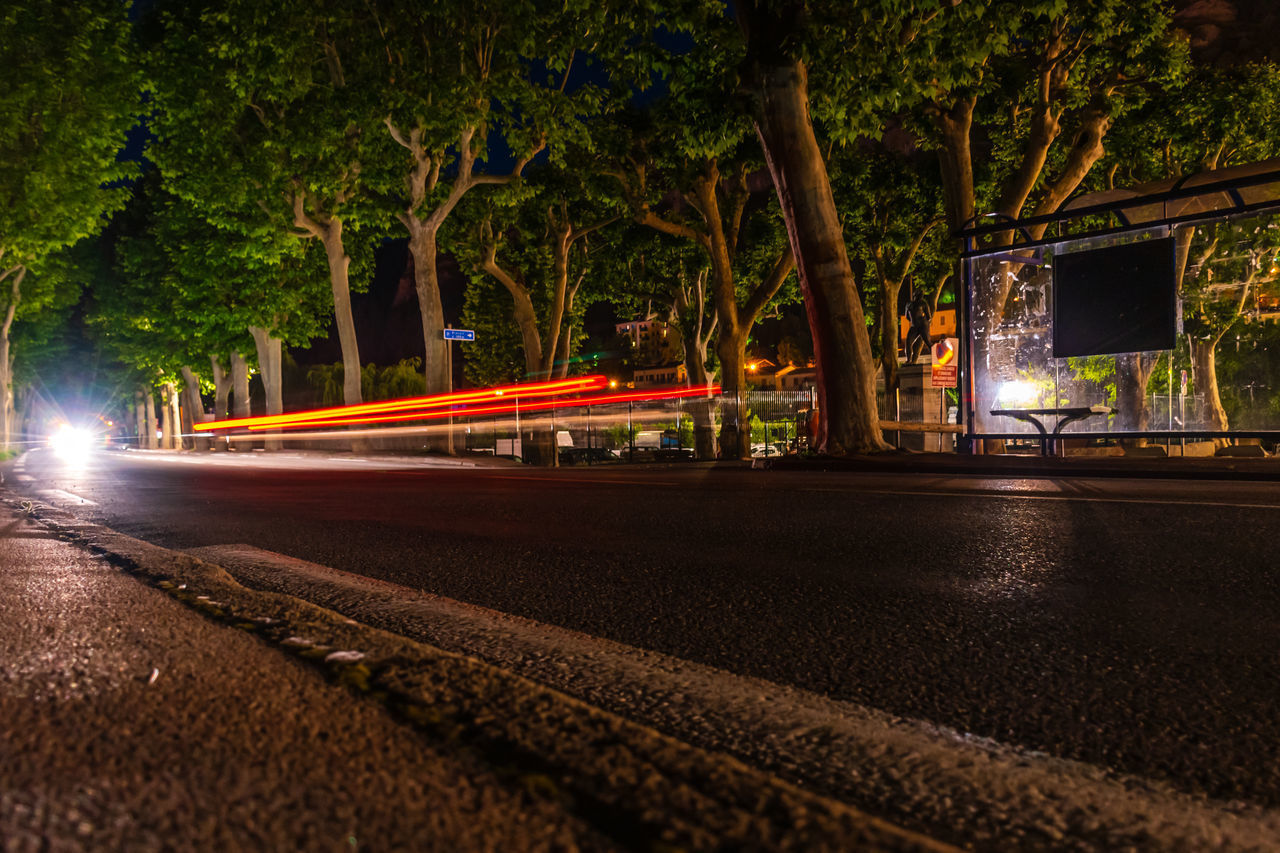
314, 416
484, 401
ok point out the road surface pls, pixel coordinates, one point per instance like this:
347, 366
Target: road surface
1124, 623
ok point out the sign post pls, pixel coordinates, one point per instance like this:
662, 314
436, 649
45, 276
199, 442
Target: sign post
946, 368
450, 335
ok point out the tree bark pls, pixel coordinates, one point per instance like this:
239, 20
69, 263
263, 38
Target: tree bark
168, 398
955, 160
140, 416
221, 388
889, 333
195, 406
339, 265
848, 421
1133, 372
269, 363
735, 431
221, 398
6, 390
240, 386
6, 356
1204, 361
152, 440
426, 281
695, 368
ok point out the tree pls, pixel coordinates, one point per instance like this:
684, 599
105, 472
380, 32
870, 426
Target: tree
1218, 117
891, 210
775, 77
187, 293
257, 128
534, 250
1047, 86
69, 92
687, 164
655, 276
457, 87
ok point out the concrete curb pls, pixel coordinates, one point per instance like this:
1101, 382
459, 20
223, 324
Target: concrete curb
642, 788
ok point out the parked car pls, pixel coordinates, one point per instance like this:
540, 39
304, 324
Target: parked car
657, 454
586, 456
777, 448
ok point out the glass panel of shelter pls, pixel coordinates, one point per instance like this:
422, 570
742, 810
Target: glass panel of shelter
1222, 375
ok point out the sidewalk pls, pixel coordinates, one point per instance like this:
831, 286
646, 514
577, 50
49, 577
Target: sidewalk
148, 701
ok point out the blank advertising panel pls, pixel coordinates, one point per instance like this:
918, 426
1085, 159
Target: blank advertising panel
1115, 300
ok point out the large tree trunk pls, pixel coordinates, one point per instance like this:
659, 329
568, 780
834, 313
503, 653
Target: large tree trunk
269, 363
339, 264
140, 415
6, 389
848, 421
195, 405
6, 357
168, 423
1133, 372
183, 418
221, 388
175, 417
955, 160
422, 247
889, 334
240, 386
695, 367
150, 402
735, 430
1204, 361
221, 398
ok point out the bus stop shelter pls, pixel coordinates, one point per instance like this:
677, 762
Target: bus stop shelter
1132, 316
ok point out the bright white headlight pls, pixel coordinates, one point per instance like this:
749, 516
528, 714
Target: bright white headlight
70, 442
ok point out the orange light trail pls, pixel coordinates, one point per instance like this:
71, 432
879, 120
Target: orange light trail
576, 384
503, 408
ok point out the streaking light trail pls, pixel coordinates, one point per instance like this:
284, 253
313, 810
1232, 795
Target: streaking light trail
495, 408
411, 408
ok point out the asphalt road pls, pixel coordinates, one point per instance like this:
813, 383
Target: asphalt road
168, 731
1130, 624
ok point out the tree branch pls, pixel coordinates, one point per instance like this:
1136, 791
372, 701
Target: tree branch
909, 256
767, 289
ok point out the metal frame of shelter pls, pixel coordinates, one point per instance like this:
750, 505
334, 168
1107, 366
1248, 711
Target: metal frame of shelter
1193, 199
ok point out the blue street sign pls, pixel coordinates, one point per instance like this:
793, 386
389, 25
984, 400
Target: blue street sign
459, 335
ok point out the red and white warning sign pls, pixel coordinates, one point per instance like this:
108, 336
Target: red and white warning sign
946, 363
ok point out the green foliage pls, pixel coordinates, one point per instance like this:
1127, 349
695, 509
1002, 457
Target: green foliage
69, 92
542, 243
620, 435
326, 379
1216, 117
182, 288
393, 382
253, 117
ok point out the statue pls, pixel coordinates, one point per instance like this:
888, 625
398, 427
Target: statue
919, 313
